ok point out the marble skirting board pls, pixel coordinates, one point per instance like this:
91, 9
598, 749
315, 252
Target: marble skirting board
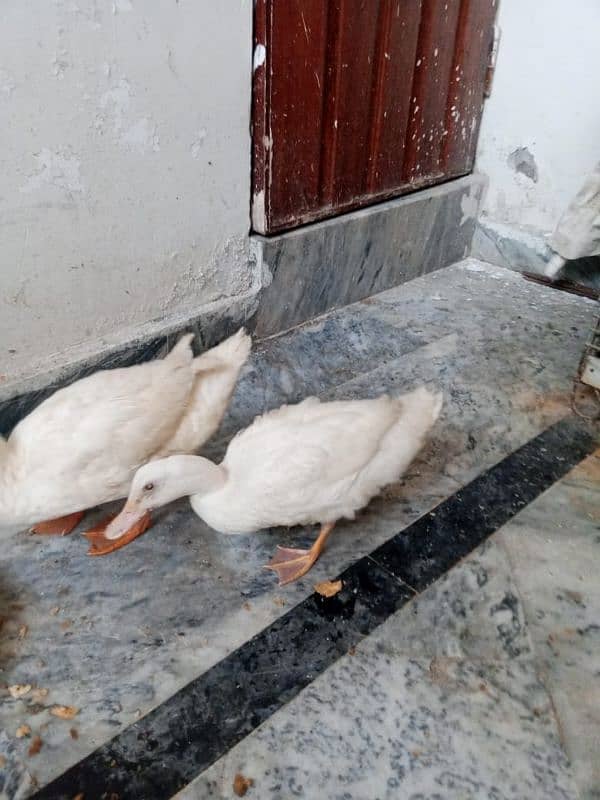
302, 274
524, 250
348, 258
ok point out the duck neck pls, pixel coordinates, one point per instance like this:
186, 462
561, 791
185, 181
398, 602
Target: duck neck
195, 475
207, 478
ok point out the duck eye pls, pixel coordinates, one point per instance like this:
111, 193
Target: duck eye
148, 487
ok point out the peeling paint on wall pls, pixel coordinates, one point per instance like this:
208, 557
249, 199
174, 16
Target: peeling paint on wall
116, 102
57, 169
136, 135
258, 211
113, 161
60, 64
198, 142
7, 84
266, 275
209, 276
120, 6
141, 137
260, 56
469, 205
540, 131
522, 160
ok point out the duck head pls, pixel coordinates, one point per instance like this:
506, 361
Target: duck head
161, 482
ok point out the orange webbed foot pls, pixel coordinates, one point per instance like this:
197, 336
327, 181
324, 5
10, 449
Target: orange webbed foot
60, 526
101, 546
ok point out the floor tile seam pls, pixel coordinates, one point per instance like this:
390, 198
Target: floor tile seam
399, 580
563, 737
542, 674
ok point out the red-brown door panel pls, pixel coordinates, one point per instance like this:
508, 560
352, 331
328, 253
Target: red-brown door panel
358, 100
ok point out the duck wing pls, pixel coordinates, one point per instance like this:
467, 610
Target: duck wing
309, 455
107, 423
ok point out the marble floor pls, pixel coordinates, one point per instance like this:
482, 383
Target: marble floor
483, 686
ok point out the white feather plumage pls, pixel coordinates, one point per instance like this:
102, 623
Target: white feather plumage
82, 446
317, 462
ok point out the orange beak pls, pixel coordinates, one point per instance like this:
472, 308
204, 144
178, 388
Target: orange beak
114, 533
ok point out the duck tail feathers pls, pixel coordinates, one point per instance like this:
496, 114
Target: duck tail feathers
233, 352
425, 403
183, 349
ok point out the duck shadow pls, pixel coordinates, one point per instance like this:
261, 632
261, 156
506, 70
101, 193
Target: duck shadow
13, 628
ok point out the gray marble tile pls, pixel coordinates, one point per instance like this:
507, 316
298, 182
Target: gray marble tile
453, 291
135, 626
492, 406
379, 724
510, 246
520, 249
115, 636
501, 387
472, 612
15, 780
339, 261
554, 548
313, 358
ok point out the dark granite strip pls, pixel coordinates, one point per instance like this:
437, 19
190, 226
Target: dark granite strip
164, 751
436, 542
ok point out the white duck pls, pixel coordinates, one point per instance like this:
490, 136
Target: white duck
301, 464
82, 446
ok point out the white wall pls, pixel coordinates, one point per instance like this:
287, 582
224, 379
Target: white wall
546, 97
124, 165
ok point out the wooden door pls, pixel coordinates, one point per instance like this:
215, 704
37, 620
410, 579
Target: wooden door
355, 101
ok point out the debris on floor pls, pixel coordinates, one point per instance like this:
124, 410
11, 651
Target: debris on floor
241, 784
18, 690
64, 712
328, 588
35, 746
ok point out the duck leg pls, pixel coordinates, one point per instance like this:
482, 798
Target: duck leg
60, 526
291, 564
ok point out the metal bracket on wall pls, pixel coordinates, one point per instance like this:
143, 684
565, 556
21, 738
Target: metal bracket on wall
588, 374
